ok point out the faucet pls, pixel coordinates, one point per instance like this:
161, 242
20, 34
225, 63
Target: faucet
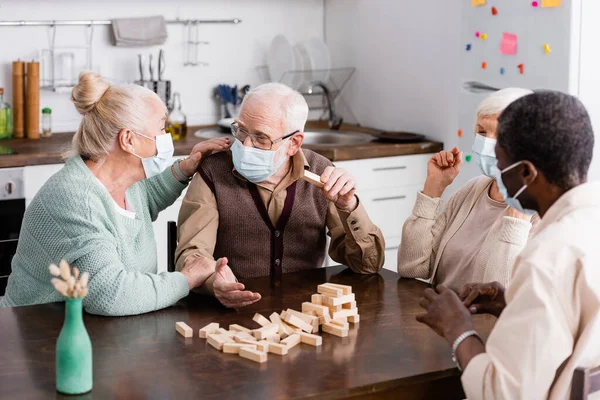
335, 121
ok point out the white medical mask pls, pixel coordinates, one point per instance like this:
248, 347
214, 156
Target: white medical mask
512, 201
485, 148
257, 165
164, 155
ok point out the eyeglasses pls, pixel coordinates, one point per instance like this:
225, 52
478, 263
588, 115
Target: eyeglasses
259, 141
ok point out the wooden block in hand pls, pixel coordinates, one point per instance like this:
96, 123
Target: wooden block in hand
347, 289
278, 348
313, 340
335, 330
259, 319
291, 340
183, 329
217, 340
330, 291
338, 301
298, 323
354, 319
239, 328
210, 328
316, 299
265, 331
254, 355
312, 178
234, 348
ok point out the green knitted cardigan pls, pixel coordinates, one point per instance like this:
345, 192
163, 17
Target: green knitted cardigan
73, 217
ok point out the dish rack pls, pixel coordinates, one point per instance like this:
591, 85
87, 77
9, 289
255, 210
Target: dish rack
335, 79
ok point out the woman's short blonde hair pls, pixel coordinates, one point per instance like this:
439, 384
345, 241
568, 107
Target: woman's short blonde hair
106, 109
496, 102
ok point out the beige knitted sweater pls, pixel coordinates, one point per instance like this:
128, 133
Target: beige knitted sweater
427, 231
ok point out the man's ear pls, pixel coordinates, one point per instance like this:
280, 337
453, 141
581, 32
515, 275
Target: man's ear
125, 140
530, 172
295, 143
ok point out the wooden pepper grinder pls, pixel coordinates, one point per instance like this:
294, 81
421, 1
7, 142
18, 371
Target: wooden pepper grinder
32, 108
18, 71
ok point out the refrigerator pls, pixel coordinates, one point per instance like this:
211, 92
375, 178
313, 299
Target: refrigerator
512, 43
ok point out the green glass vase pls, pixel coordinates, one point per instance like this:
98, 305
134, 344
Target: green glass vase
73, 352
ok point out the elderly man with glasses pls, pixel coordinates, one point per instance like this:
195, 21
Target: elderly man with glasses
248, 214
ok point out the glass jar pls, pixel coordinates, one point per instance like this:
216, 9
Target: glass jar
5, 118
46, 122
177, 122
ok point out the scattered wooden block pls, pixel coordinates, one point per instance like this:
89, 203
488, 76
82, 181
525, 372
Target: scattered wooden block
263, 346
313, 340
239, 328
335, 330
274, 338
316, 299
283, 314
341, 323
253, 355
217, 340
346, 289
349, 306
312, 178
284, 329
292, 340
183, 329
247, 341
239, 336
310, 319
330, 291
277, 348
225, 332
355, 319
298, 323
319, 310
337, 301
334, 309
234, 348
267, 330
210, 328
344, 313
259, 319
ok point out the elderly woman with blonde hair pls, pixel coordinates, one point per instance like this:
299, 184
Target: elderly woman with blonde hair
478, 236
97, 211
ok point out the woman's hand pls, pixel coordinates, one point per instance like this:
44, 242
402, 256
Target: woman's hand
206, 148
442, 169
511, 212
197, 270
483, 298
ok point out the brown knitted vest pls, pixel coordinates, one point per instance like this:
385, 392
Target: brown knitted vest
246, 236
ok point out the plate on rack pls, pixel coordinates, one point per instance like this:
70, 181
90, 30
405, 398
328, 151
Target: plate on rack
280, 58
319, 58
399, 137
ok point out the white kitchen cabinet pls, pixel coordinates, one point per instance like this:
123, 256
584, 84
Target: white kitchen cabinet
34, 178
388, 187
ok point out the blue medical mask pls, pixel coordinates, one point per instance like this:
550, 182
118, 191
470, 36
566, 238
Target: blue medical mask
257, 165
512, 201
164, 155
485, 148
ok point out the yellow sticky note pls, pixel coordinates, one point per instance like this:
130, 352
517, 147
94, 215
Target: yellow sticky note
549, 3
476, 3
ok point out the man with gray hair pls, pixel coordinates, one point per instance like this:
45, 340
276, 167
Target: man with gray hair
249, 210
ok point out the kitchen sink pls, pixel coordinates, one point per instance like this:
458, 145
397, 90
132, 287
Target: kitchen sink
320, 137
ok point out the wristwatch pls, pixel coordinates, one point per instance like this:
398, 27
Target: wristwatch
458, 342
180, 175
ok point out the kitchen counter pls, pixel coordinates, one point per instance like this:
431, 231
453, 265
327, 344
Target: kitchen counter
50, 150
387, 355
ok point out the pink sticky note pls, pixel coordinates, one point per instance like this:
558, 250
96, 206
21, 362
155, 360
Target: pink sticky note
508, 45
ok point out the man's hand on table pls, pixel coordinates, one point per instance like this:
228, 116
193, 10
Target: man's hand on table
228, 291
340, 187
445, 313
483, 298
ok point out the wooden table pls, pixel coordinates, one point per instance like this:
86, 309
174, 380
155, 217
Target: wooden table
387, 355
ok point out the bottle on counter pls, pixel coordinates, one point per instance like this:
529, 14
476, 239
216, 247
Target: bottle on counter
5, 118
177, 122
46, 122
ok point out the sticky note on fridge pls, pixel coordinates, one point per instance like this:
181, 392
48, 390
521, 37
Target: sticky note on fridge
550, 3
476, 3
508, 45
